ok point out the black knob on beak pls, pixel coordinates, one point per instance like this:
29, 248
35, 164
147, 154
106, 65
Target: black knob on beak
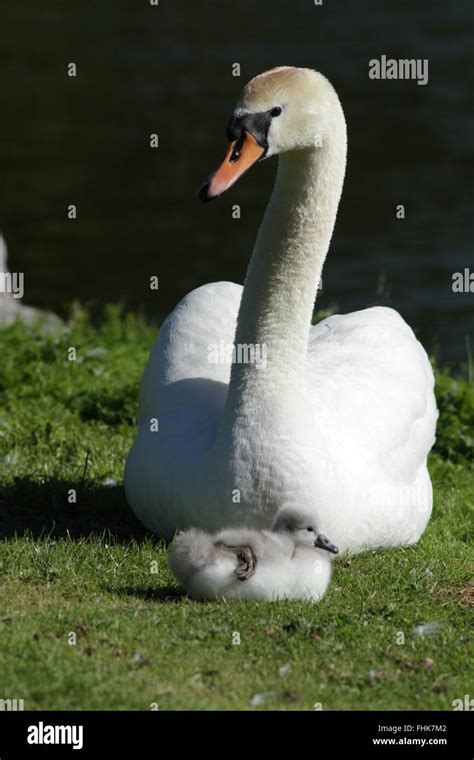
234, 130
324, 543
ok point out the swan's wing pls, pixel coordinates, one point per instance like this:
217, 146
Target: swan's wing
182, 397
203, 319
186, 379
370, 385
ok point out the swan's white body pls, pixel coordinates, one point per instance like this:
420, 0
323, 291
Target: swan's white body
342, 415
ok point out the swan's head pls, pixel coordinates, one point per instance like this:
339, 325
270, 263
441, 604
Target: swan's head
302, 528
282, 110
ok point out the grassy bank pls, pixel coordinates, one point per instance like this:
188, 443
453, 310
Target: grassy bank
88, 620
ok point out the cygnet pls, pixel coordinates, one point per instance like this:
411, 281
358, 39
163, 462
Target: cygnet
292, 561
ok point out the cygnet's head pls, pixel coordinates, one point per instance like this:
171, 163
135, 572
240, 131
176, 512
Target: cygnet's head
281, 110
302, 528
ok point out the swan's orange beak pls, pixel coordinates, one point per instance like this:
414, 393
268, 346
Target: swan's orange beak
242, 154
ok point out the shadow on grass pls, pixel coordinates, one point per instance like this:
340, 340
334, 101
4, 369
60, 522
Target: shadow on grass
163, 594
38, 509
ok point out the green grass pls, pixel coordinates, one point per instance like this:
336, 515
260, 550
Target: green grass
88, 567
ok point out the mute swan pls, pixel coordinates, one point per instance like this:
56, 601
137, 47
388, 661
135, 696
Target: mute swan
249, 564
339, 417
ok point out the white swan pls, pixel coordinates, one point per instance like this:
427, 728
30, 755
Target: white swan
339, 417
291, 561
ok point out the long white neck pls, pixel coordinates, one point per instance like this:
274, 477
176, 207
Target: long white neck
284, 271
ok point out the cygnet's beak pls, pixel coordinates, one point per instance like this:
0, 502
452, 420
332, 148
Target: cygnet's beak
324, 543
242, 154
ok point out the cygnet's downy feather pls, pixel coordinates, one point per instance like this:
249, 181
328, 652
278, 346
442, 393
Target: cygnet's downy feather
291, 561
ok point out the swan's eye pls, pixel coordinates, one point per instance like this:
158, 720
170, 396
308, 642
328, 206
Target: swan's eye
310, 530
275, 111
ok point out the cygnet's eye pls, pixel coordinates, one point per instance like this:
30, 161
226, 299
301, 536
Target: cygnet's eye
275, 111
310, 530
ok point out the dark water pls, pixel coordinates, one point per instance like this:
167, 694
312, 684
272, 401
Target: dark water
144, 69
